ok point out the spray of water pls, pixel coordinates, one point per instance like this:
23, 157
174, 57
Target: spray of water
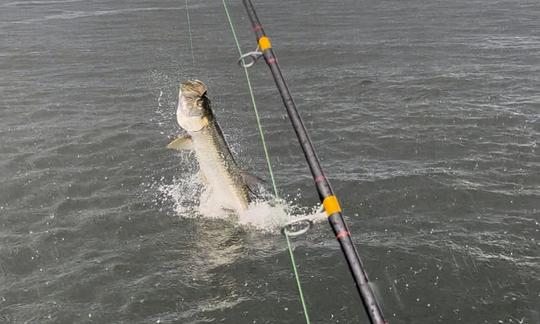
266, 214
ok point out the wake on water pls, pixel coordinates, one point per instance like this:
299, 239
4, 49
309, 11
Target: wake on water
267, 214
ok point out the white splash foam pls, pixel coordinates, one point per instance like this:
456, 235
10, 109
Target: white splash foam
184, 194
264, 216
267, 215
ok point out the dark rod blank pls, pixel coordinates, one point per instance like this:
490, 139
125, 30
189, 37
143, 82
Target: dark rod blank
324, 189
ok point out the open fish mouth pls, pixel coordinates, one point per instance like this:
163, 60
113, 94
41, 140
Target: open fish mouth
192, 100
193, 89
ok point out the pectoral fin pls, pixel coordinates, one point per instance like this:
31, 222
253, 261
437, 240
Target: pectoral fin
181, 143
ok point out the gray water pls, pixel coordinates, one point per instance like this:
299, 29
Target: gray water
425, 114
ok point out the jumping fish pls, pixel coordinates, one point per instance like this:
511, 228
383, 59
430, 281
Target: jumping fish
225, 184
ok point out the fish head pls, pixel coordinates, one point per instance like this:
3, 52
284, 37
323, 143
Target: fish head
193, 112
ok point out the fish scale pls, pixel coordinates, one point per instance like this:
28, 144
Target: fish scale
224, 181
217, 165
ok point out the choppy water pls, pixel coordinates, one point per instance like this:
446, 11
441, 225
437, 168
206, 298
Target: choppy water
426, 115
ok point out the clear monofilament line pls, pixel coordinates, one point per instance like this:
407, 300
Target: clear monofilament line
190, 34
259, 125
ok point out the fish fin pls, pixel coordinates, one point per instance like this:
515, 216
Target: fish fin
181, 143
252, 180
255, 185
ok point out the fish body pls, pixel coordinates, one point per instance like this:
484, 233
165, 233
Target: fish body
225, 183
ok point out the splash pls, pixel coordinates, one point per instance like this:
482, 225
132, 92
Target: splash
271, 214
267, 214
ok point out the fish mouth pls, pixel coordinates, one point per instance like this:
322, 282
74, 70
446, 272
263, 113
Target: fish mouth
191, 97
193, 112
193, 89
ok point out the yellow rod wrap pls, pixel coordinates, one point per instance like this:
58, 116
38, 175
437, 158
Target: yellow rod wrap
331, 205
264, 43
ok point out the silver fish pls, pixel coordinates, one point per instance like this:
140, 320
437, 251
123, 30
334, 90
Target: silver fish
225, 183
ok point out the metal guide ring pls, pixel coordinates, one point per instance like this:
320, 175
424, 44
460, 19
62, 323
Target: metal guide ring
297, 227
249, 59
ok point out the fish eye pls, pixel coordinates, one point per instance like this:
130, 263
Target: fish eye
199, 103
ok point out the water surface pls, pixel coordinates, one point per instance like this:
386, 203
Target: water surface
426, 117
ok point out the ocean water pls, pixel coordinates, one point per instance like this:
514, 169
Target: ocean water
425, 115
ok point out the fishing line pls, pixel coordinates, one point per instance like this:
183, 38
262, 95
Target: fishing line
190, 34
254, 104
268, 162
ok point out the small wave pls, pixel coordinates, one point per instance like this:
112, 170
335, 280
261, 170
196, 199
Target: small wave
82, 14
34, 3
68, 15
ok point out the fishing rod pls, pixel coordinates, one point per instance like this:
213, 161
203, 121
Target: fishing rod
326, 194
